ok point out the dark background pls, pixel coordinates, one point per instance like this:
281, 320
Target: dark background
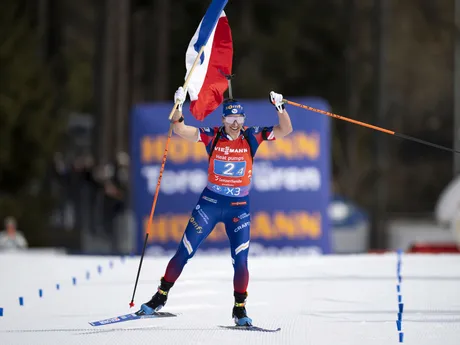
70, 71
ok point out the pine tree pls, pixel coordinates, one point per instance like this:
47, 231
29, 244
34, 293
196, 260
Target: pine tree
29, 128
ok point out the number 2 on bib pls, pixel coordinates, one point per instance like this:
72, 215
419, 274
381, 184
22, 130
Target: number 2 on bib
229, 169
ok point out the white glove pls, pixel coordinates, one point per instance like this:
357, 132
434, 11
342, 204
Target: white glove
179, 97
277, 100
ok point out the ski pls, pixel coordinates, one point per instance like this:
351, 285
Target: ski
135, 316
129, 317
251, 328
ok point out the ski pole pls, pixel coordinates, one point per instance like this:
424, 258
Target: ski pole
155, 198
363, 124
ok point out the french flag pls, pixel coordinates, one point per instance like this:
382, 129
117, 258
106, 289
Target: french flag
207, 83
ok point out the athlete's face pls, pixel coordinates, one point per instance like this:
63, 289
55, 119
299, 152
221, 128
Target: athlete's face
233, 123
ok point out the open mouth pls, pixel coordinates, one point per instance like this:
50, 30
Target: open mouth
233, 127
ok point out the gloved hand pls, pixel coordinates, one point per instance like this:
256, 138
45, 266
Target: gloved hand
179, 97
277, 100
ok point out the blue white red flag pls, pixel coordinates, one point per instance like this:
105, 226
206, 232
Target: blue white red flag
207, 83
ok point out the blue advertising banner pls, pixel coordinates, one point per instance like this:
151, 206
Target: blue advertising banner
290, 190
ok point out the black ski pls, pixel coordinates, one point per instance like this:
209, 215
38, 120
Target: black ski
251, 329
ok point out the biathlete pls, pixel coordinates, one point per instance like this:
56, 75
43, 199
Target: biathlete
231, 149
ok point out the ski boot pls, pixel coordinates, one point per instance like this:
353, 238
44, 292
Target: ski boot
239, 310
158, 300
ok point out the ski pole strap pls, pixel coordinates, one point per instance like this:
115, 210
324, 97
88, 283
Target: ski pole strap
214, 143
245, 134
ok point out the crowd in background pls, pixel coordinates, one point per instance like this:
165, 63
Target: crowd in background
92, 204
93, 198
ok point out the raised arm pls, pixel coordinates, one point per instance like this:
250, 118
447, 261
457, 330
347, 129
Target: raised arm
284, 127
189, 133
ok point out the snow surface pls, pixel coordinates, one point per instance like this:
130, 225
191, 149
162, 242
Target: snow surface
314, 299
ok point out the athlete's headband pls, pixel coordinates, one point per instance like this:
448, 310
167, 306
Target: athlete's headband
233, 108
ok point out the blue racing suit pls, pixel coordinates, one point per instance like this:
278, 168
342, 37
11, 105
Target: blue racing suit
225, 199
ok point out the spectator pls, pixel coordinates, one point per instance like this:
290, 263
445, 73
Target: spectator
115, 185
11, 238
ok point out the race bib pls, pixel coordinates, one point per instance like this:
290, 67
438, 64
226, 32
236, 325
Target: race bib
229, 169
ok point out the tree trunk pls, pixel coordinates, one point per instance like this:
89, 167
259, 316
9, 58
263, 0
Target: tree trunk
108, 80
138, 56
161, 75
123, 80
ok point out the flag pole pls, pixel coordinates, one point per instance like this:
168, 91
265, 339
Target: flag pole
229, 77
187, 79
163, 163
212, 15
